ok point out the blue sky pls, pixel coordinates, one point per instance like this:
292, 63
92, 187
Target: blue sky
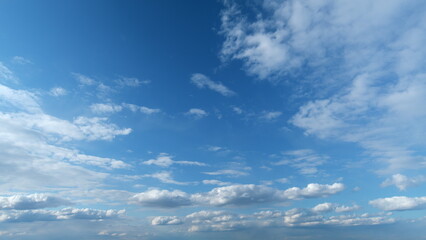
212, 119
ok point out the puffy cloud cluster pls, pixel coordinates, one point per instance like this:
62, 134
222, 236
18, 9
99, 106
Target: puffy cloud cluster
227, 221
31, 201
233, 195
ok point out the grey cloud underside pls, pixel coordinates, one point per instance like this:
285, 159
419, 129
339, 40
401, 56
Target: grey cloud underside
31, 201
234, 195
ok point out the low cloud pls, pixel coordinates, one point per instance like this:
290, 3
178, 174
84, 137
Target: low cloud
399, 203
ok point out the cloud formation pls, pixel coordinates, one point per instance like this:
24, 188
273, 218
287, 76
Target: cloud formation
399, 203
202, 81
31, 201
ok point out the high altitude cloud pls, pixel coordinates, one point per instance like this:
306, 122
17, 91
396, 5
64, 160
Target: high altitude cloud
31, 201
234, 195
399, 203
305, 160
6, 75
202, 81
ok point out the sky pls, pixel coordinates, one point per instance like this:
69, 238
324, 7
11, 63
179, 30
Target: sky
155, 119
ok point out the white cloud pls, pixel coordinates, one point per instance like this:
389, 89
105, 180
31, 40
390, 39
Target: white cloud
21, 60
31, 201
202, 81
166, 160
402, 182
142, 109
234, 195
97, 128
165, 177
58, 91
21, 99
237, 110
270, 115
399, 203
6, 75
58, 215
197, 113
228, 172
130, 82
166, 220
305, 160
102, 108
328, 207
215, 182
84, 80
162, 198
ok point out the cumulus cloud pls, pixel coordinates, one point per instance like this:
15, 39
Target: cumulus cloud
58, 215
399, 203
197, 113
31, 201
234, 195
329, 207
166, 160
58, 91
166, 220
202, 81
162, 198
402, 182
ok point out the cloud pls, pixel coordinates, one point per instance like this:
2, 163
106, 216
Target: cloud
58, 91
165, 177
84, 80
166, 160
197, 113
105, 108
228, 172
21, 99
97, 128
269, 116
305, 160
131, 82
59, 215
202, 81
399, 203
216, 182
234, 195
328, 207
32, 201
142, 109
402, 182
21, 60
6, 75
162, 198
166, 220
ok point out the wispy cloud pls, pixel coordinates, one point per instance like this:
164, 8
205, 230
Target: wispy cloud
197, 113
202, 81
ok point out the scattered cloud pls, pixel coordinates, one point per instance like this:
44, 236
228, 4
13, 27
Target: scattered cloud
197, 113
84, 80
399, 203
58, 91
202, 81
228, 172
166, 220
216, 182
21, 60
6, 75
166, 160
305, 160
165, 177
102, 108
269, 116
234, 195
402, 182
131, 82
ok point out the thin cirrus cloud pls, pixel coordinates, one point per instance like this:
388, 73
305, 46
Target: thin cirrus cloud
202, 81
